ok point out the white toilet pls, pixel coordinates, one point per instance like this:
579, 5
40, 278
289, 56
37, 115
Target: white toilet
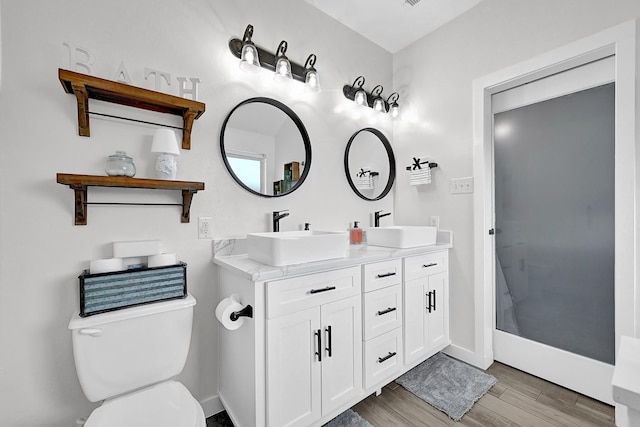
128, 359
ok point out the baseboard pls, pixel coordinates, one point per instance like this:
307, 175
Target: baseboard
211, 405
469, 356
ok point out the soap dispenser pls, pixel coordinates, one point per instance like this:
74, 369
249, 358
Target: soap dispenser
355, 234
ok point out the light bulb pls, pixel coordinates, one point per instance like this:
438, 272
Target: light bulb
360, 98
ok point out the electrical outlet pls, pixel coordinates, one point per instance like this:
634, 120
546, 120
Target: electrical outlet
462, 185
434, 221
204, 227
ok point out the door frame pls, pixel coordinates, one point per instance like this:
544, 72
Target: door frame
620, 41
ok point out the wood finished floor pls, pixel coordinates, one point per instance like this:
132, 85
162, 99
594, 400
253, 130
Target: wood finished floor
518, 399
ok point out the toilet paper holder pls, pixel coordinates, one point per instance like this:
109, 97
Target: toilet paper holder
245, 312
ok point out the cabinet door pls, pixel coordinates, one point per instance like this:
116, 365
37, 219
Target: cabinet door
436, 316
294, 369
415, 319
342, 352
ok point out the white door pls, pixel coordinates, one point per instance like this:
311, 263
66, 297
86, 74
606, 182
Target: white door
554, 217
294, 369
342, 352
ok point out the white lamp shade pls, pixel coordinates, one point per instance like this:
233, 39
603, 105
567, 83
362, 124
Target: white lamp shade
249, 60
312, 82
165, 141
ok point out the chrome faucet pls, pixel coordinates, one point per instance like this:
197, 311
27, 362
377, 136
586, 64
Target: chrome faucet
377, 216
277, 216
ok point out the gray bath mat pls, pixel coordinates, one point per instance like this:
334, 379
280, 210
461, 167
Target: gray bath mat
447, 384
348, 418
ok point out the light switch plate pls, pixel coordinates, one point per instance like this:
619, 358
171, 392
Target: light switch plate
462, 185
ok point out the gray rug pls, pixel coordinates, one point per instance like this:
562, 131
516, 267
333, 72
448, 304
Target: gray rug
348, 418
447, 384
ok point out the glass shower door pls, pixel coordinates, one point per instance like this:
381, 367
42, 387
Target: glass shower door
554, 225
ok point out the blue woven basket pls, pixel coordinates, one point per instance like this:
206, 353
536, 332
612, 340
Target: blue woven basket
104, 292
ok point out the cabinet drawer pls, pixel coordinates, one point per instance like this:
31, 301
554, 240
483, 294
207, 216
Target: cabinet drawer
299, 293
424, 265
382, 311
382, 274
382, 358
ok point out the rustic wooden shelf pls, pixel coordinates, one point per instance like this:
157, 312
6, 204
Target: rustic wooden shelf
85, 87
80, 183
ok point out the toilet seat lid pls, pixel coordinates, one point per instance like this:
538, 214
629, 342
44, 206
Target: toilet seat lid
168, 404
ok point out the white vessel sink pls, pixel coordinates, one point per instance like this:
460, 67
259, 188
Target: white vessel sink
402, 236
296, 247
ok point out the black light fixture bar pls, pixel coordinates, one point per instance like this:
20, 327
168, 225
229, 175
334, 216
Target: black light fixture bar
268, 60
350, 91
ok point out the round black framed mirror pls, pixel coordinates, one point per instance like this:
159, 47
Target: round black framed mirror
265, 147
369, 164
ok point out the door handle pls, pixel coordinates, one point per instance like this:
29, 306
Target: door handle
428, 294
318, 335
328, 330
434, 300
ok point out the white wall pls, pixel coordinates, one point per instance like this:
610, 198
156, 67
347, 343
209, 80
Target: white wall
42, 252
434, 77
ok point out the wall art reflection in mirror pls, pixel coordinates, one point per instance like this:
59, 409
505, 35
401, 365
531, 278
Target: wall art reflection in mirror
265, 147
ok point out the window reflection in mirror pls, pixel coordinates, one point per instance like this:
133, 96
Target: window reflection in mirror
265, 147
369, 164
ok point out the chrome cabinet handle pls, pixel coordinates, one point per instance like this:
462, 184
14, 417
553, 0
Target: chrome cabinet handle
387, 357
328, 288
388, 310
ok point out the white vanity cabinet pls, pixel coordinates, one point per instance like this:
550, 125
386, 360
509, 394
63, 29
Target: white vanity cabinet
382, 324
325, 335
314, 350
426, 304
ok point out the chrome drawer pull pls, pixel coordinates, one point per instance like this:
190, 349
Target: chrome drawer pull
387, 357
433, 264
380, 276
388, 310
328, 288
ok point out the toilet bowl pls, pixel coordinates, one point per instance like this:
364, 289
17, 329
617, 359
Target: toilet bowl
128, 359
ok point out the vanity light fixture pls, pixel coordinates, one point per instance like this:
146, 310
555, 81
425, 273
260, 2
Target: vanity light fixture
311, 78
392, 101
249, 58
378, 103
355, 92
283, 66
253, 57
359, 95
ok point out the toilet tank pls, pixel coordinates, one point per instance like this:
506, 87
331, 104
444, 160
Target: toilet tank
124, 350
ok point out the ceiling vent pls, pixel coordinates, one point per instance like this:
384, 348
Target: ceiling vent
412, 2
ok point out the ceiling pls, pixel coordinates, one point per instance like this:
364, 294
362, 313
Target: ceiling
393, 24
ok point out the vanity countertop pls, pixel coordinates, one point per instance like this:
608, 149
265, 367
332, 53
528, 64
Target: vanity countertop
231, 254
